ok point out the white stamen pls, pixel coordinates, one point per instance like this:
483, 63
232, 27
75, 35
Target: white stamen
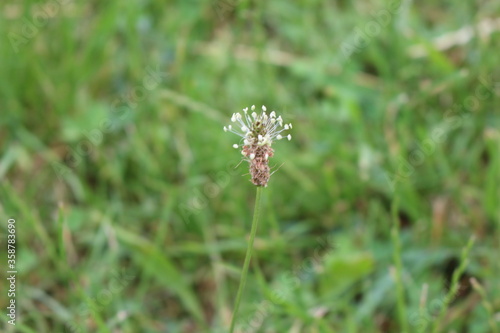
280, 120
269, 129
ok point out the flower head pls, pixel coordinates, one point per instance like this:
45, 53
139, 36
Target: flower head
258, 131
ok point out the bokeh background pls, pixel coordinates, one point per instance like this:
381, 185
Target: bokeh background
132, 212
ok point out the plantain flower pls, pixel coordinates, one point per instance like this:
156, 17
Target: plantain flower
258, 132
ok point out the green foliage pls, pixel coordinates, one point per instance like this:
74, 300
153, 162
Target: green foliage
131, 215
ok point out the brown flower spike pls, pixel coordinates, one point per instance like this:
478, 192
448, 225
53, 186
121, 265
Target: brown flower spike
258, 133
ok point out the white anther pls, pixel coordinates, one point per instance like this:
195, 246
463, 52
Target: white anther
253, 107
252, 156
286, 126
225, 129
289, 137
273, 114
264, 108
279, 137
235, 146
280, 120
266, 156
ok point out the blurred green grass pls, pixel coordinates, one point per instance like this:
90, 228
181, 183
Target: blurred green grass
142, 226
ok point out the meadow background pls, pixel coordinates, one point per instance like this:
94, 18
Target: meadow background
131, 215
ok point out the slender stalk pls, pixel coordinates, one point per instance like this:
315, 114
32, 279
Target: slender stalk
248, 256
486, 303
455, 284
401, 305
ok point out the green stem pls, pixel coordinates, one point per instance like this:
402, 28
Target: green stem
248, 256
401, 305
455, 284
